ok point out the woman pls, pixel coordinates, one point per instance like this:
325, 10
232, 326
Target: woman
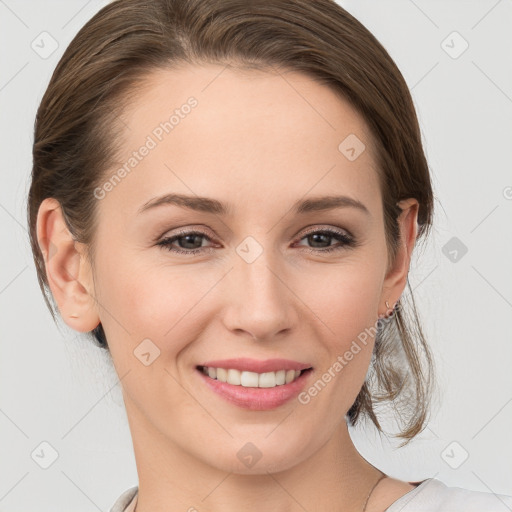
227, 195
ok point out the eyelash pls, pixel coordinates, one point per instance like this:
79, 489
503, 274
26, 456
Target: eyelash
346, 241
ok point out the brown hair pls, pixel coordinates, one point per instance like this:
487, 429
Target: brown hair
77, 129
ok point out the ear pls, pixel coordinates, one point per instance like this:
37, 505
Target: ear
396, 278
68, 271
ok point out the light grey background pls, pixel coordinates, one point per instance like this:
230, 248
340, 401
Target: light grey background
55, 387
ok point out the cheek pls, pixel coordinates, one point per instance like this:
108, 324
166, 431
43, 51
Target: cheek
161, 303
346, 296
348, 310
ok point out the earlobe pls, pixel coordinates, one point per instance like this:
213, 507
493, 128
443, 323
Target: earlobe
64, 266
396, 278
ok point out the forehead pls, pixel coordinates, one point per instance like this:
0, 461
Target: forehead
236, 133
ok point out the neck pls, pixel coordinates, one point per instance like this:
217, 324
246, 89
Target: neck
336, 477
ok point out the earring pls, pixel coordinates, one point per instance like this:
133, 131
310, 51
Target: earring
393, 310
389, 313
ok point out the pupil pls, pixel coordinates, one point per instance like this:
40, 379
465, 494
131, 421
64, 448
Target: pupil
193, 237
314, 237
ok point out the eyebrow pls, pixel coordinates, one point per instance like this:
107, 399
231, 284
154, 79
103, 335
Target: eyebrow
209, 205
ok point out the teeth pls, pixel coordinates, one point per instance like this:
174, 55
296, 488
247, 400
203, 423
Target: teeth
233, 377
252, 379
222, 374
248, 379
267, 380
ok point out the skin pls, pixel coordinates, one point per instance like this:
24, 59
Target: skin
258, 140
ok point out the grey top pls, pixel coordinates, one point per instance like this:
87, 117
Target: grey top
430, 495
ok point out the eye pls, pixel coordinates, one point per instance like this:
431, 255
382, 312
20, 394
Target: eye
191, 242
324, 236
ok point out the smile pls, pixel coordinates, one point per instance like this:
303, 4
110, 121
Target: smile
255, 384
251, 379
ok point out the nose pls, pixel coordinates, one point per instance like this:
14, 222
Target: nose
258, 299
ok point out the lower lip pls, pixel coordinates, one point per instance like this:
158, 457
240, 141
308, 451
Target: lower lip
256, 399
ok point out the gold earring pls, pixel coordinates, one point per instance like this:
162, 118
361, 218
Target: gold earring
389, 312
392, 312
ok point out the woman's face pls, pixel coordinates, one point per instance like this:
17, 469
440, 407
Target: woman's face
262, 271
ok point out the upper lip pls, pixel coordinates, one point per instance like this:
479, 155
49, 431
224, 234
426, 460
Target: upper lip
257, 366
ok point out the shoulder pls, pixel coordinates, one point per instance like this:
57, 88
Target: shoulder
121, 504
432, 495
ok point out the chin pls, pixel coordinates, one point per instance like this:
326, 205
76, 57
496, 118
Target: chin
262, 454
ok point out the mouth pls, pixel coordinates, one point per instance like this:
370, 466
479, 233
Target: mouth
252, 379
255, 390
